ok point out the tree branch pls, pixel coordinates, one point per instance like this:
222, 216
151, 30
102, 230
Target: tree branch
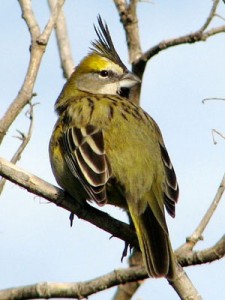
183, 286
197, 234
38, 46
191, 38
77, 290
128, 17
187, 257
212, 99
84, 211
63, 42
25, 140
214, 132
211, 15
80, 290
199, 36
117, 228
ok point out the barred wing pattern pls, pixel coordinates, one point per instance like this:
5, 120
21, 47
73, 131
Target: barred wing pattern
171, 191
87, 161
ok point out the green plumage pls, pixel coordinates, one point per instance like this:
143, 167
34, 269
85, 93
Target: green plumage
107, 149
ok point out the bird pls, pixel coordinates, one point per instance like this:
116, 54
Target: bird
106, 149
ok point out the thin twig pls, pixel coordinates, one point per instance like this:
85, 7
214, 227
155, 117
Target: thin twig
211, 15
220, 17
198, 36
44, 37
214, 131
212, 99
191, 38
25, 140
197, 234
63, 43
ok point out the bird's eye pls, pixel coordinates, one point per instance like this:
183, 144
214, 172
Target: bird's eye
104, 73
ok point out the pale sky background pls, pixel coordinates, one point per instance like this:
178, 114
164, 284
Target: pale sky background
37, 243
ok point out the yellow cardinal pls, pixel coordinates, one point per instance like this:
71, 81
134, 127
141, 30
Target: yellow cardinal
107, 149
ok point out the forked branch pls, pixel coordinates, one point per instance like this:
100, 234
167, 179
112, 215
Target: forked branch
25, 138
38, 45
105, 222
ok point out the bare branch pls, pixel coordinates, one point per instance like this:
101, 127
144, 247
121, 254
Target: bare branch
25, 140
212, 14
214, 131
29, 18
212, 98
81, 290
44, 189
139, 60
197, 36
183, 286
78, 290
126, 290
38, 45
220, 17
128, 17
44, 37
63, 42
88, 213
197, 234
188, 257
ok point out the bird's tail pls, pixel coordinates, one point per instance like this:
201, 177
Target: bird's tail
154, 242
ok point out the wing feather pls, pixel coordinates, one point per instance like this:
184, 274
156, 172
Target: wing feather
172, 190
86, 158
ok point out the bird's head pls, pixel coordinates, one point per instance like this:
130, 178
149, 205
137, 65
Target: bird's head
102, 71
99, 75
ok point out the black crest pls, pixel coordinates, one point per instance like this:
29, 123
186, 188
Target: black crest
104, 45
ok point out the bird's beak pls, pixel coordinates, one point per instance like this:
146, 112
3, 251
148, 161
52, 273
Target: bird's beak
129, 80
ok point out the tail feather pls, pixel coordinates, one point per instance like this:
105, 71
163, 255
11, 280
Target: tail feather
155, 244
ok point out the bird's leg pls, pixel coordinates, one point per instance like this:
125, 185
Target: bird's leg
71, 219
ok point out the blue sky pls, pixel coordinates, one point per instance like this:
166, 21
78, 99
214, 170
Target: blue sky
37, 243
